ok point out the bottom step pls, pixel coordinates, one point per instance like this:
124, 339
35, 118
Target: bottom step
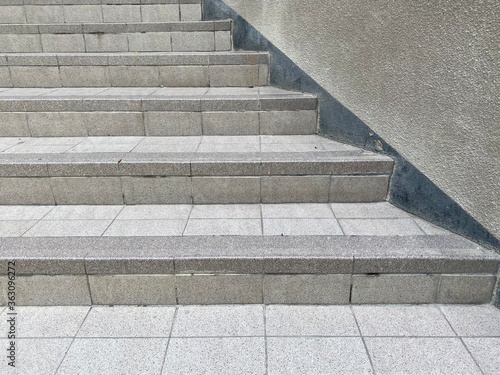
388, 264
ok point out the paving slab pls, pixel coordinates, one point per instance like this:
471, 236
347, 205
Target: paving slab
151, 321
36, 356
39, 322
114, 356
420, 356
485, 352
219, 321
310, 321
473, 320
317, 356
228, 355
401, 321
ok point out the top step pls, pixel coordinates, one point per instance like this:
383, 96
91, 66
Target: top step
98, 11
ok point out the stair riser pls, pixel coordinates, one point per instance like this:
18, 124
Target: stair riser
97, 13
188, 289
156, 123
178, 41
198, 190
135, 76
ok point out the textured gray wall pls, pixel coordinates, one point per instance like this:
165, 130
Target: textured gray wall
423, 74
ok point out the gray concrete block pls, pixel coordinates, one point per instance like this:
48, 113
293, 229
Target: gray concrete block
132, 289
288, 122
471, 289
121, 13
264, 74
25, 191
5, 80
134, 76
14, 124
193, 41
191, 12
212, 104
359, 188
57, 124
297, 103
223, 41
226, 190
158, 190
294, 189
44, 14
85, 76
409, 288
60, 290
10, 43
219, 289
31, 59
184, 76
83, 14
12, 14
82, 59
87, 190
34, 76
234, 75
115, 124
106, 42
172, 123
150, 42
60, 29
63, 43
160, 13
230, 123
307, 289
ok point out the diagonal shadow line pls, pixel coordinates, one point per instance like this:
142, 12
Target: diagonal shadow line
410, 189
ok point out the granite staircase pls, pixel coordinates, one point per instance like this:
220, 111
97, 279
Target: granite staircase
144, 161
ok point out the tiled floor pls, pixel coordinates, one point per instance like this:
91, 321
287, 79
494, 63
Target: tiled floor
374, 219
199, 144
256, 339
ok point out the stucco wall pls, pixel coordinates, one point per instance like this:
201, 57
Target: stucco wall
424, 75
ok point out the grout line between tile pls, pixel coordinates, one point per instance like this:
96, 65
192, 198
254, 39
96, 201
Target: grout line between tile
363, 339
169, 338
265, 334
73, 340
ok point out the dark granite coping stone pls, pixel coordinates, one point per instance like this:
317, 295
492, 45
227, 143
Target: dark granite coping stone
116, 28
193, 164
135, 59
448, 254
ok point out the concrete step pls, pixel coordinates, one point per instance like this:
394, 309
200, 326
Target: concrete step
150, 69
201, 170
130, 111
97, 11
272, 254
190, 36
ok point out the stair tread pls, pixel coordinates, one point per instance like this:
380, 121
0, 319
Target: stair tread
150, 92
311, 254
114, 27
